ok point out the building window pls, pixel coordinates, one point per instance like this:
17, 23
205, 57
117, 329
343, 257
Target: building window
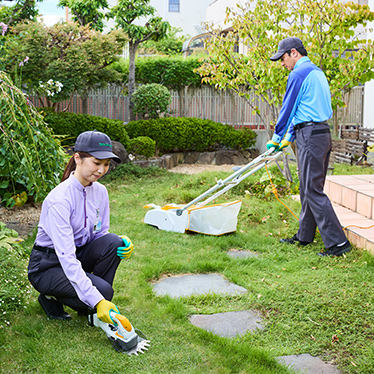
173, 5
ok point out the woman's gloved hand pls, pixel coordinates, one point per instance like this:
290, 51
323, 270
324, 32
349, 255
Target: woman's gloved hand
125, 251
103, 308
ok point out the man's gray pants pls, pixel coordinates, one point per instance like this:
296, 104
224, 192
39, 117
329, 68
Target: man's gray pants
313, 149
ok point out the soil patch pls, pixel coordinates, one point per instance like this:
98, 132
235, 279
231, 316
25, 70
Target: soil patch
199, 168
22, 219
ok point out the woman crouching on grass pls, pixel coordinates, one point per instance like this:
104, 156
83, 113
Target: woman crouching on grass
74, 257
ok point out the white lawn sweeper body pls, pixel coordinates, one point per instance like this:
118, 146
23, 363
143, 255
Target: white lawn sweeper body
196, 216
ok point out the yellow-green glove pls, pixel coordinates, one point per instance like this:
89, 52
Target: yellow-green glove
272, 144
284, 143
126, 250
103, 308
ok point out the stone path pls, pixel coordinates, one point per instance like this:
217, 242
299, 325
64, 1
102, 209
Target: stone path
228, 324
199, 284
307, 364
237, 323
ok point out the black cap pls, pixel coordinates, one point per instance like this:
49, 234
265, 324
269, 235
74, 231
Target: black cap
97, 144
286, 45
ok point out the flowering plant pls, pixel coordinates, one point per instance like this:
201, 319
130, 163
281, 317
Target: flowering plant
50, 88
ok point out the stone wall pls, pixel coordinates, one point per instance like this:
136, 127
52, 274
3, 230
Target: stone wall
222, 157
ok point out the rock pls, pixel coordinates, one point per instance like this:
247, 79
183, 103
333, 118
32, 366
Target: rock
120, 151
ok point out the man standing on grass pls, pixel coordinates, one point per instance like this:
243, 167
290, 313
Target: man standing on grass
305, 110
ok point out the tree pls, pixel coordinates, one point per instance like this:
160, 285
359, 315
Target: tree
22, 10
328, 28
126, 13
174, 72
73, 55
87, 12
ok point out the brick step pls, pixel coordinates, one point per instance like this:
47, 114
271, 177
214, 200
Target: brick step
353, 200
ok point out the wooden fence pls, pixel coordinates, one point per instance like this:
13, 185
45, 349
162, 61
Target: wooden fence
205, 102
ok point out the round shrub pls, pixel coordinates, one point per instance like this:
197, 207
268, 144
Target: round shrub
151, 100
142, 145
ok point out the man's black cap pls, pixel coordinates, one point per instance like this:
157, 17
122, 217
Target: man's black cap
97, 144
286, 45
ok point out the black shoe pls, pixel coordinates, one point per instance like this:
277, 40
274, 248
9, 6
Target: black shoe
83, 312
336, 250
294, 240
53, 308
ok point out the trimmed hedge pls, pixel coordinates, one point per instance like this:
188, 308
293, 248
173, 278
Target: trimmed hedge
72, 124
191, 134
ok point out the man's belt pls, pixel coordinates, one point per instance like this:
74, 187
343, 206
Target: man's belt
305, 124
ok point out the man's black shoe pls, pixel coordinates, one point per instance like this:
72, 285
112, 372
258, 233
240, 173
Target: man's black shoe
336, 250
53, 308
293, 240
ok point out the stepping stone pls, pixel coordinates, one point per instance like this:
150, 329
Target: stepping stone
235, 253
199, 284
228, 324
307, 364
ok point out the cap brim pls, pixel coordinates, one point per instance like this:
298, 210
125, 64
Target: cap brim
103, 155
277, 56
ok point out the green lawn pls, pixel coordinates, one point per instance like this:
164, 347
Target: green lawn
304, 299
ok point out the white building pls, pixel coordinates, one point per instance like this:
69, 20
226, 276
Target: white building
189, 15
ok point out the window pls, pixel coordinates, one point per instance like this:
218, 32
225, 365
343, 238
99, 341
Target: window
173, 5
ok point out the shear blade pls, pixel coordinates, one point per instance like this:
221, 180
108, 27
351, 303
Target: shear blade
141, 347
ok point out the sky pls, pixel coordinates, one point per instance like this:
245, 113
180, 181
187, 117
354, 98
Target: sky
50, 13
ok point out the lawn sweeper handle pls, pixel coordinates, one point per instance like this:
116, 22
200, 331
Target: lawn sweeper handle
234, 179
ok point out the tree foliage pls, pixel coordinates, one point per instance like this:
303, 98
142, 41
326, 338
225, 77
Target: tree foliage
171, 44
22, 10
31, 159
127, 14
73, 55
87, 12
332, 33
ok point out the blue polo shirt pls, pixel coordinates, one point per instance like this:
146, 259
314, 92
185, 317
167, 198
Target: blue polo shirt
307, 99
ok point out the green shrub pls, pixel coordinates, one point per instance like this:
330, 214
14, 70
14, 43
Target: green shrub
72, 124
31, 159
14, 286
129, 170
191, 134
151, 100
142, 145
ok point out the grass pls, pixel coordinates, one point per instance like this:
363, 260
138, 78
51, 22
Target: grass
304, 300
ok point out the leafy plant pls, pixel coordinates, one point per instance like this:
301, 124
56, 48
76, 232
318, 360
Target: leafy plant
73, 55
331, 31
14, 286
151, 100
191, 134
129, 170
142, 145
31, 158
170, 44
72, 124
